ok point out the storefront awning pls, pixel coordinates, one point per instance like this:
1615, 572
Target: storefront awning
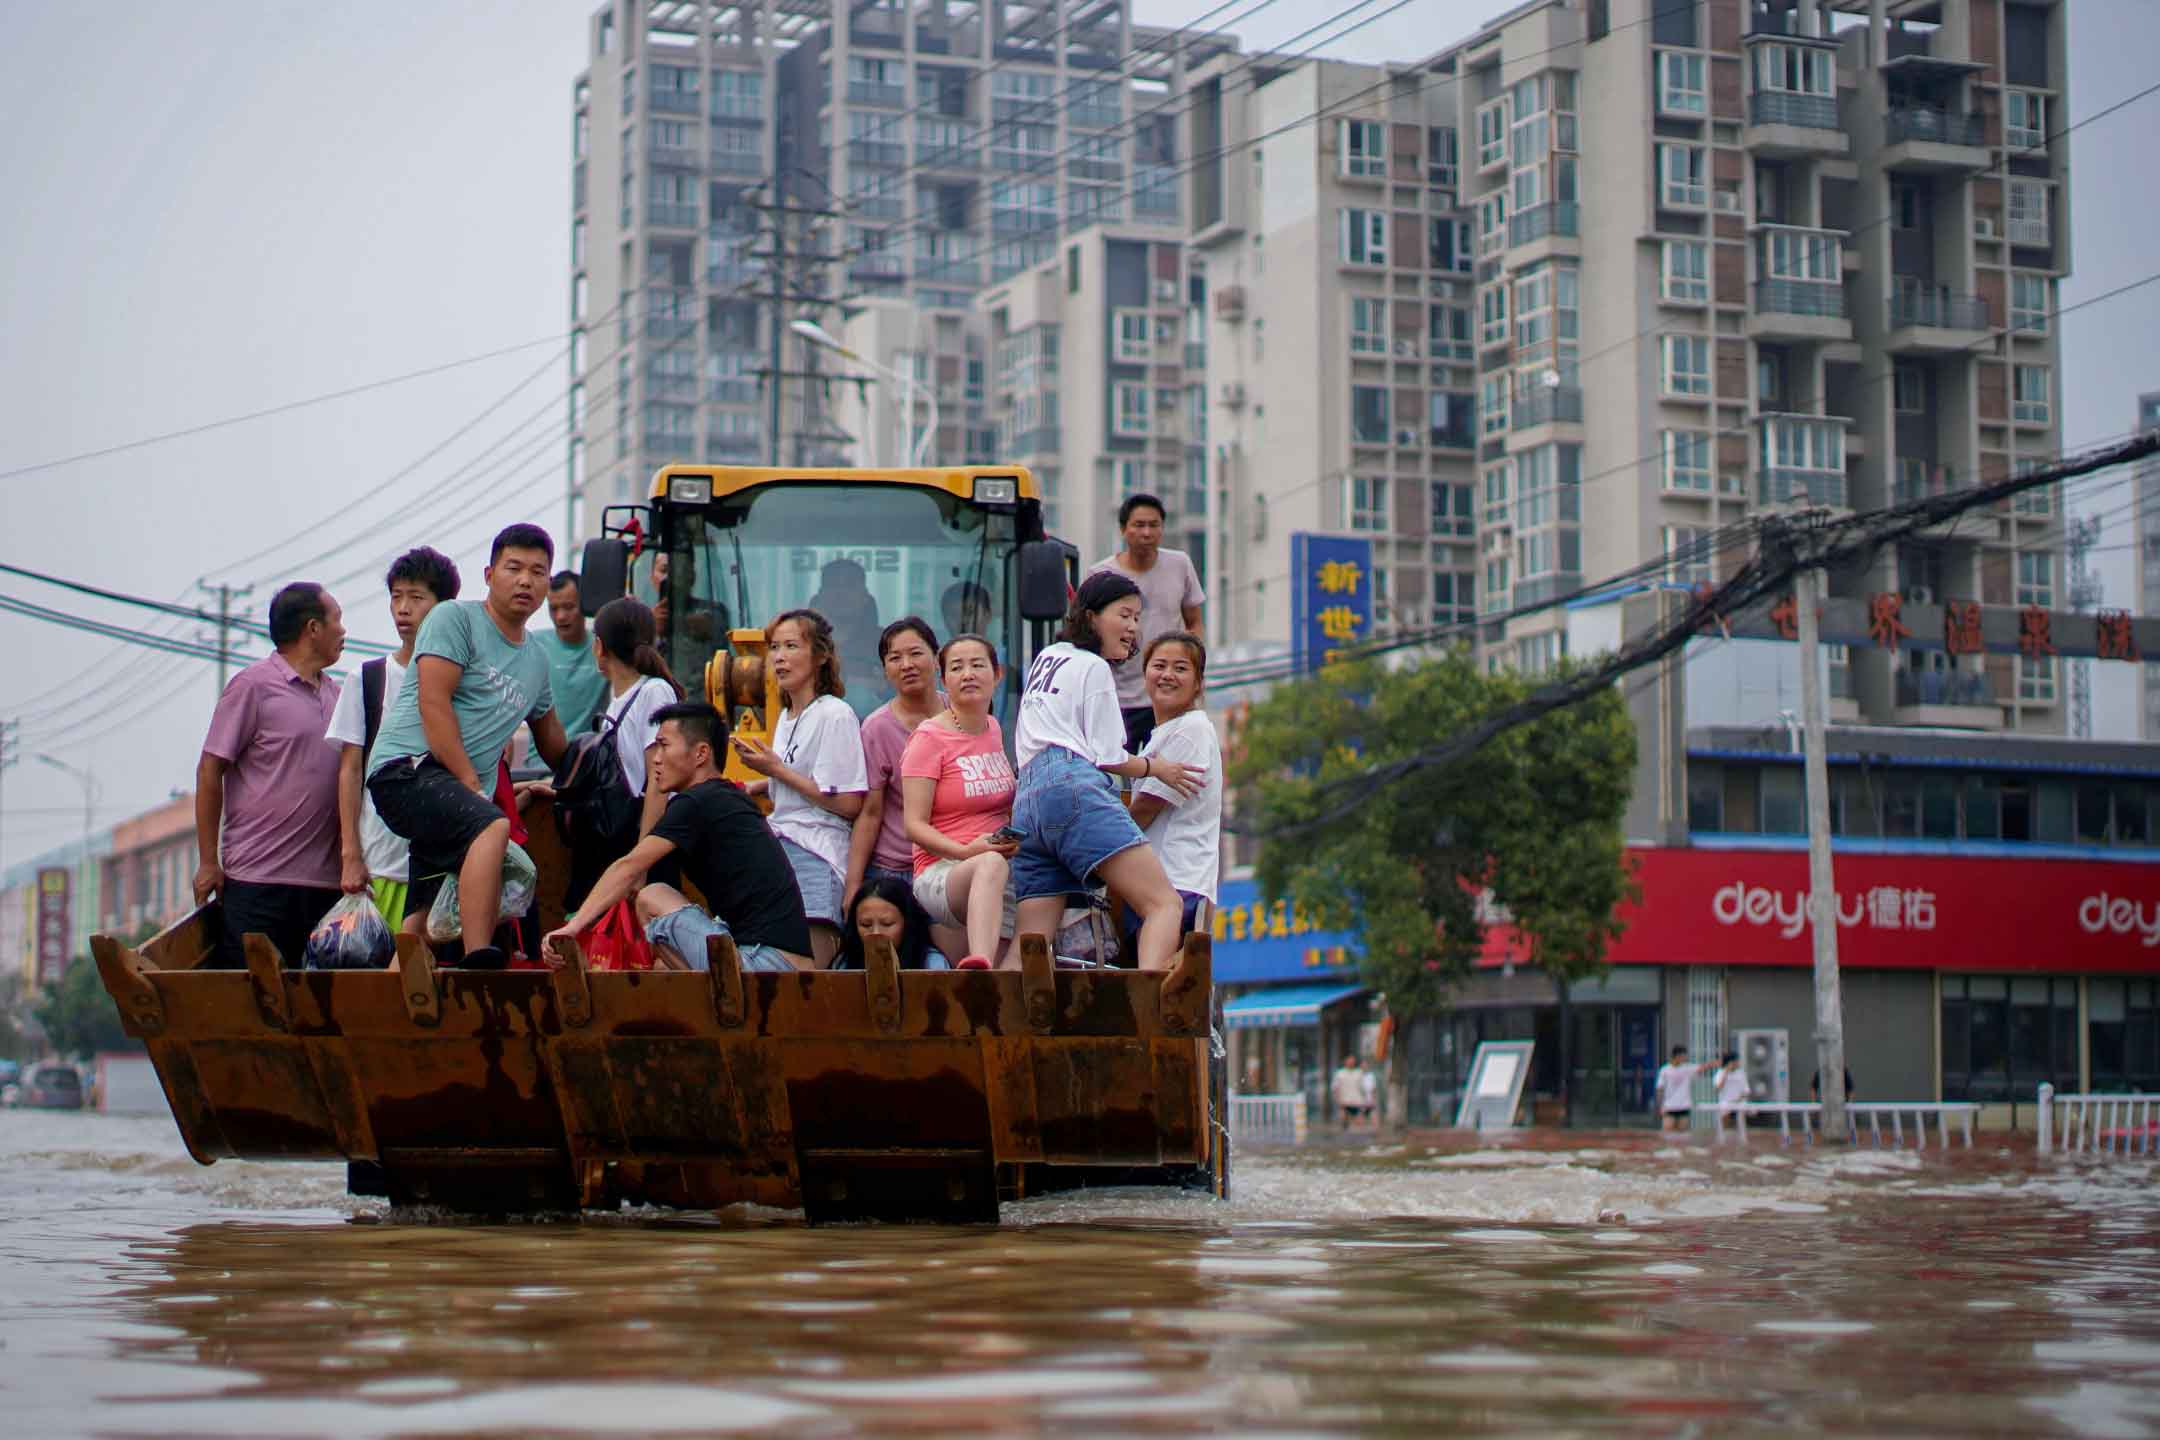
1284, 1005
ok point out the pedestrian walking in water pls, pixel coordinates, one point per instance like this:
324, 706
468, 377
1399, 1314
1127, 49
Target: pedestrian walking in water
1676, 1089
1348, 1088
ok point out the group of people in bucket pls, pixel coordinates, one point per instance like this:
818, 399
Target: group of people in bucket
913, 825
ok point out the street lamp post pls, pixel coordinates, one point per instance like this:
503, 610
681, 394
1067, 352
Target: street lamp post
86, 908
913, 445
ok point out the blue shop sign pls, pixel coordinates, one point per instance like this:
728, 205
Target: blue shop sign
1330, 596
1258, 941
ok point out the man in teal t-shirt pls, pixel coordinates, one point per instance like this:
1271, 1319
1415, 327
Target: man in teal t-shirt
581, 691
476, 677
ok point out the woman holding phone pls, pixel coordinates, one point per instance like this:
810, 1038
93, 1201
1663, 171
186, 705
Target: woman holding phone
814, 770
958, 788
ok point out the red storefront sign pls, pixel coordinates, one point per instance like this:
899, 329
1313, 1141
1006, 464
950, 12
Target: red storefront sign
1895, 912
54, 926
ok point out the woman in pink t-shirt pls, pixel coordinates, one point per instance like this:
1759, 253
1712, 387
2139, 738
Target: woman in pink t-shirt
957, 783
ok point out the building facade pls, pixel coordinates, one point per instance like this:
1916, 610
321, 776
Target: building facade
2148, 561
737, 166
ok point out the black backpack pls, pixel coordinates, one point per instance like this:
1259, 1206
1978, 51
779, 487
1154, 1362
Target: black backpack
594, 807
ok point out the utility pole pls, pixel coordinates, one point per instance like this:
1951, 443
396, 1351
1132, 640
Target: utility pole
10, 736
779, 314
225, 594
1822, 888
2086, 593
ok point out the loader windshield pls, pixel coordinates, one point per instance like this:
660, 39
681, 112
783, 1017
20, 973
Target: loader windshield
863, 555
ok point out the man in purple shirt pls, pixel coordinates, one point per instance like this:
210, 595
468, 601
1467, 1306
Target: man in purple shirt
266, 801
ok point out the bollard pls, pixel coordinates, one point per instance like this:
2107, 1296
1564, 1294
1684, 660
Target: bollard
2047, 1117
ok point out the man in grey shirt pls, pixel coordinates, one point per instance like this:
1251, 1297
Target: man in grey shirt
1170, 600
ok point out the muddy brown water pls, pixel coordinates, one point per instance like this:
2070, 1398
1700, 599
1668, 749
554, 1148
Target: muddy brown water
1475, 1287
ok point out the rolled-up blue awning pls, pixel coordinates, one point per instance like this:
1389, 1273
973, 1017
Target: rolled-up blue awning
1284, 1006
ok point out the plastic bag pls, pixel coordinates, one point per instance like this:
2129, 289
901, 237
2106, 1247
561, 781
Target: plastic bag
617, 941
520, 882
352, 936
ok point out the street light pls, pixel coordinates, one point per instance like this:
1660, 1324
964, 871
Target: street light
89, 803
912, 444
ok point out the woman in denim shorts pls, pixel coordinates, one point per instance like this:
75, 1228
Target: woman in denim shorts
1070, 741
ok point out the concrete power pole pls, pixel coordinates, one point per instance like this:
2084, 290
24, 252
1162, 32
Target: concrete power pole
1822, 887
2085, 594
225, 594
10, 736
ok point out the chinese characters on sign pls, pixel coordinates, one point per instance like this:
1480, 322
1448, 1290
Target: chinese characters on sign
2112, 639
1331, 599
2034, 639
1786, 616
54, 926
1883, 625
1885, 907
1961, 627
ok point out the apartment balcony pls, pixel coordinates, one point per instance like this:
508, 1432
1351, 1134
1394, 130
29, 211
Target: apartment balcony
673, 102
948, 271
1812, 310
1095, 117
877, 154
1956, 699
1560, 217
1095, 169
736, 110
731, 391
947, 158
1936, 321
734, 449
664, 446
674, 157
877, 269
671, 387
673, 217
737, 162
1015, 224
734, 274
1781, 123
1924, 138
1546, 405
864, 92
1812, 487
1021, 162
670, 327
2031, 233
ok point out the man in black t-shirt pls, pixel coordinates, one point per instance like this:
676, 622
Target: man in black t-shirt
720, 840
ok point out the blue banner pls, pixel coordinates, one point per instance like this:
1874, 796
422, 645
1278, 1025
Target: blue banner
1255, 940
1330, 596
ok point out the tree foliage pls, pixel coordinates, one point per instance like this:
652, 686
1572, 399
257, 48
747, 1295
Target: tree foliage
79, 1018
1533, 816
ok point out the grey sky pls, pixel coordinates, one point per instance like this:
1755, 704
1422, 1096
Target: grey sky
216, 207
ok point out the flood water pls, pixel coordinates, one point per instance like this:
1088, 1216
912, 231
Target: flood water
1563, 1283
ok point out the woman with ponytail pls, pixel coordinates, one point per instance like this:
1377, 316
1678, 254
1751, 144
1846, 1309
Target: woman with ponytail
625, 643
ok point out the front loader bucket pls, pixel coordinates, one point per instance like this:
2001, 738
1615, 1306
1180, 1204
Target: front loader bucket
855, 1095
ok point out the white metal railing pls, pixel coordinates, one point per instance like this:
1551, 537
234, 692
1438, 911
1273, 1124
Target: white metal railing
2102, 1124
1874, 1114
1269, 1118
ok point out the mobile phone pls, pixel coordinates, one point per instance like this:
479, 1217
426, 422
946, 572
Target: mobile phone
1006, 835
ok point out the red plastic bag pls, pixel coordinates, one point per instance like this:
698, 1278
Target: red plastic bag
617, 941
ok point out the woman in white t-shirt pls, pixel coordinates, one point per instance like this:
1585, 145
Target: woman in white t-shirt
1185, 830
1070, 740
814, 771
639, 683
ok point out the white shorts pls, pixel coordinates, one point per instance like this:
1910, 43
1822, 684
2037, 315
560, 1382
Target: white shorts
930, 888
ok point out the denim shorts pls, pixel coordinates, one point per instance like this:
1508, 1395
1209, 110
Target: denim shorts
1070, 821
685, 931
816, 879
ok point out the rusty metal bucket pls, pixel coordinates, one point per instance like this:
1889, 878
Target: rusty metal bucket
879, 1094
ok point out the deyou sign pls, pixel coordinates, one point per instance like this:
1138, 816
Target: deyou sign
1894, 911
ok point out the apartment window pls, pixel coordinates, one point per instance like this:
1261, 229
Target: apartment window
1364, 149
738, 94
1686, 364
1496, 581
669, 134
1769, 379
1685, 272
1795, 70
1912, 481
2027, 212
1909, 387
1492, 133
1135, 337
1363, 237
1497, 487
1448, 245
1369, 414
1448, 333
580, 297
1368, 326
1133, 408
1365, 502
1687, 555
1683, 176
1443, 158
1527, 187
1492, 223
2029, 302
2024, 120
2002, 1036
1803, 255
1536, 654
1493, 405
1791, 442
2041, 499
2036, 679
1492, 315
2031, 394
1449, 416
2036, 579
1454, 597
1908, 206
1686, 459
1529, 127
1680, 83
1453, 510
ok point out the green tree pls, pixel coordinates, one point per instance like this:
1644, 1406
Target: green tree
1532, 816
78, 1017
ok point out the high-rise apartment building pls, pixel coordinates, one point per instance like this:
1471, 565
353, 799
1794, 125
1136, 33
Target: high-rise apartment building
739, 164
2147, 590
1610, 275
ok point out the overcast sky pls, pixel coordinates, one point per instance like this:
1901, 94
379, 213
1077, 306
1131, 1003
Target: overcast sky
216, 208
